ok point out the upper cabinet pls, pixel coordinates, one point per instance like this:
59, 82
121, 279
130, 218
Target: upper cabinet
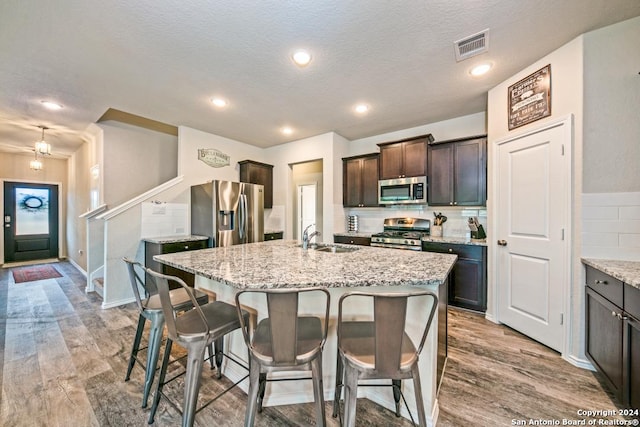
258, 173
458, 172
405, 158
360, 181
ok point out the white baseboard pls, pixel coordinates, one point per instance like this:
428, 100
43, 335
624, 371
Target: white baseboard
490, 318
580, 363
77, 267
118, 303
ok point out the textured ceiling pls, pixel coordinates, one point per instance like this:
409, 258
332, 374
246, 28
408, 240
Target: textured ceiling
165, 59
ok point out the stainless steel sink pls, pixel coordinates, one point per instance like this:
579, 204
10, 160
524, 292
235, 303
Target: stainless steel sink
335, 249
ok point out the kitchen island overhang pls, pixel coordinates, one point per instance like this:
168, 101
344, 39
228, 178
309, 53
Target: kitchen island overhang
283, 264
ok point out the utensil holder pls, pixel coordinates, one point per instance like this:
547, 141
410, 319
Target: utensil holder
436, 231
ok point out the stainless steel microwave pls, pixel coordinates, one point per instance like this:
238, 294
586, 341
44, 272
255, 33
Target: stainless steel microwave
403, 191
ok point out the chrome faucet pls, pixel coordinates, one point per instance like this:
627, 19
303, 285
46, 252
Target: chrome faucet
306, 237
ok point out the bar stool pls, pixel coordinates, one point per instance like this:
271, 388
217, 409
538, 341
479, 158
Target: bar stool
150, 309
194, 329
379, 349
284, 341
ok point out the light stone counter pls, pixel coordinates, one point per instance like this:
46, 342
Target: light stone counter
626, 271
173, 239
282, 264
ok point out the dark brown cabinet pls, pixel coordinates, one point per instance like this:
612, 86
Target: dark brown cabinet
468, 278
258, 173
404, 158
157, 247
352, 240
458, 172
612, 310
360, 181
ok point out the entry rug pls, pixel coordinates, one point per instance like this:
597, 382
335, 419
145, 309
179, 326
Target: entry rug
37, 272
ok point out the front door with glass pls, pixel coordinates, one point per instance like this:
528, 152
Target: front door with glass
30, 221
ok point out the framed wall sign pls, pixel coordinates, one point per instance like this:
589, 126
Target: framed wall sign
530, 98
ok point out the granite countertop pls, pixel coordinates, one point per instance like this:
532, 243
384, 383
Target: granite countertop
627, 271
272, 231
173, 239
456, 240
354, 234
283, 264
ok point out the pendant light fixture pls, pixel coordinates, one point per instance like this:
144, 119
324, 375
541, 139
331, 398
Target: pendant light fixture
42, 147
36, 164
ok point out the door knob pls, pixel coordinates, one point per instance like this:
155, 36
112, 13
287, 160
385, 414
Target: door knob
502, 242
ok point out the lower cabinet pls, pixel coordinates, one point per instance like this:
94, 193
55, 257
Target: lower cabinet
157, 247
604, 339
352, 240
612, 310
468, 279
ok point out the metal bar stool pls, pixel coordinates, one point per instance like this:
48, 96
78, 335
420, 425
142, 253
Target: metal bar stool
284, 341
379, 349
149, 308
195, 330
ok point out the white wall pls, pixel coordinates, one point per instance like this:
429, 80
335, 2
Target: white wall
135, 160
612, 109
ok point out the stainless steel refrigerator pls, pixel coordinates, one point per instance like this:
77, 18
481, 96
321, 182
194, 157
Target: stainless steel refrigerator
229, 213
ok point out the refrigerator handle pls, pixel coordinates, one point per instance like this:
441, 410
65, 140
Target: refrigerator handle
243, 217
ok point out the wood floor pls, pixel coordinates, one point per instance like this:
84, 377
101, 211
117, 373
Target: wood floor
63, 362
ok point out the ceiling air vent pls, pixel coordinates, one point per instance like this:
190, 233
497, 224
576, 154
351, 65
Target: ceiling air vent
472, 45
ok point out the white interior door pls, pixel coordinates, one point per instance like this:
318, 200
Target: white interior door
306, 206
533, 207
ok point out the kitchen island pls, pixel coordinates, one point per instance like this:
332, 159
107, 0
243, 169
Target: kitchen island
284, 264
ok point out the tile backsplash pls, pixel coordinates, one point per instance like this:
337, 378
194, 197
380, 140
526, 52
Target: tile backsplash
611, 225
371, 220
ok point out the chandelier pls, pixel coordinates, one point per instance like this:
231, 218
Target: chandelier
41, 147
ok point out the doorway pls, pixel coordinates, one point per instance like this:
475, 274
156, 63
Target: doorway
306, 206
533, 207
306, 189
30, 221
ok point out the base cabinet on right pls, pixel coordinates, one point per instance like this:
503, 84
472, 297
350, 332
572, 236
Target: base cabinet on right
612, 310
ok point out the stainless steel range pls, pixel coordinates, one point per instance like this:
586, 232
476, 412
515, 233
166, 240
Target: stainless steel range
402, 233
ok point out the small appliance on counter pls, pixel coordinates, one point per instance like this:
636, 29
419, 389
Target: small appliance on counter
402, 233
352, 223
477, 231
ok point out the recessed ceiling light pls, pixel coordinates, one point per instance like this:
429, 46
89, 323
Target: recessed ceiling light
219, 102
479, 70
51, 105
361, 108
301, 57
287, 130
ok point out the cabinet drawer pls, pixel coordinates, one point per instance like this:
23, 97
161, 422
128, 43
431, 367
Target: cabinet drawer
273, 236
352, 240
606, 285
463, 251
632, 301
169, 248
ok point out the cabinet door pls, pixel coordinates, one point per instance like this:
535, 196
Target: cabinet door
391, 161
370, 181
466, 290
470, 175
632, 363
440, 189
352, 186
258, 173
415, 158
604, 339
